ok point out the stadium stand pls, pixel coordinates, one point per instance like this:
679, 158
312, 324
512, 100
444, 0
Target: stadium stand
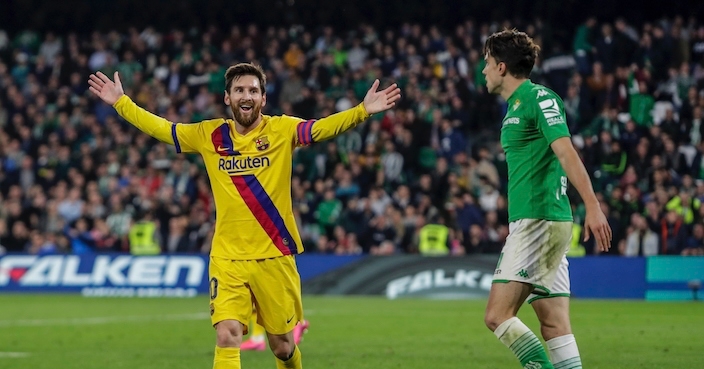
74, 178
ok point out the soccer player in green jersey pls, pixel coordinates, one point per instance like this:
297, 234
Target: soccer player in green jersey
541, 159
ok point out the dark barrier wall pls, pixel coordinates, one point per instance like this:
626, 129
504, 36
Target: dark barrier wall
654, 278
409, 275
86, 16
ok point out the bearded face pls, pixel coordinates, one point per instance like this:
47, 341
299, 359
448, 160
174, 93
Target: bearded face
246, 111
246, 100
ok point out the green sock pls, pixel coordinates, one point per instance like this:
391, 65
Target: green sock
524, 344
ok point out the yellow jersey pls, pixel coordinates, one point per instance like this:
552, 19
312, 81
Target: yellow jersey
250, 175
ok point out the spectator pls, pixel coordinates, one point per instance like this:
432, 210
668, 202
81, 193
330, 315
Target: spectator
328, 212
642, 105
641, 240
380, 236
71, 208
18, 238
350, 247
434, 238
451, 141
684, 206
143, 236
178, 239
673, 234
695, 242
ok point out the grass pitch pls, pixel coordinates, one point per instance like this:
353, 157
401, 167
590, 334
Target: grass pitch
61, 331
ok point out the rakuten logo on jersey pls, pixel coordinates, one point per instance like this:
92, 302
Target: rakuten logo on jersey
235, 165
105, 270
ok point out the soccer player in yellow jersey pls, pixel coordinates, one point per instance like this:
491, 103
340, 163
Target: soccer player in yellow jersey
248, 160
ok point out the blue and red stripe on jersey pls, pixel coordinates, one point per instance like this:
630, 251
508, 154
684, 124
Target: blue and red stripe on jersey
266, 213
175, 137
305, 132
222, 142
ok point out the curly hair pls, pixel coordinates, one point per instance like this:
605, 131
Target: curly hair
515, 49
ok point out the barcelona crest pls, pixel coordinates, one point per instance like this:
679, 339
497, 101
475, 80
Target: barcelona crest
262, 143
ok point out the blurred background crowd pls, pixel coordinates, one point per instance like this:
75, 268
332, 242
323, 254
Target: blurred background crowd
75, 178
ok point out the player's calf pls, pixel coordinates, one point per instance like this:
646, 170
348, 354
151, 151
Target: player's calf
554, 316
282, 345
288, 356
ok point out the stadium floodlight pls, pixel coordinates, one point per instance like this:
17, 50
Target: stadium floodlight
695, 285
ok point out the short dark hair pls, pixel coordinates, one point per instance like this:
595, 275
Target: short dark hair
245, 69
513, 48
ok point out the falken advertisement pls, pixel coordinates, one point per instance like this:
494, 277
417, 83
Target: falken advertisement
409, 276
105, 275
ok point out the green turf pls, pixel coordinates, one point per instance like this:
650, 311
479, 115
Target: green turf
56, 331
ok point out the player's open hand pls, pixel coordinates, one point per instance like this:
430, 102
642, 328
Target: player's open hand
378, 101
104, 88
595, 223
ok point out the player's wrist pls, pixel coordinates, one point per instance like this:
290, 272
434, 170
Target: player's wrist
364, 109
121, 97
592, 205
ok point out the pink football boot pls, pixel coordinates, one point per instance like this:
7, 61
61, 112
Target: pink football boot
298, 331
253, 345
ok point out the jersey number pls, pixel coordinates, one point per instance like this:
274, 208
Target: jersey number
213, 288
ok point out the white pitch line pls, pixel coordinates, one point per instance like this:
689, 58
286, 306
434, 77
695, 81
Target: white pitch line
100, 320
13, 355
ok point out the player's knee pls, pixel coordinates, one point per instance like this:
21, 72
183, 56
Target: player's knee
553, 329
283, 350
228, 334
493, 320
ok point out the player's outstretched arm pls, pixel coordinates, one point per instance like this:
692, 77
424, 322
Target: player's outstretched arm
111, 92
595, 221
374, 102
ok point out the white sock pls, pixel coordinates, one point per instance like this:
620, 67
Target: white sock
519, 330
564, 353
523, 343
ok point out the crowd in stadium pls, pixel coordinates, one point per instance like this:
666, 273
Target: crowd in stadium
75, 178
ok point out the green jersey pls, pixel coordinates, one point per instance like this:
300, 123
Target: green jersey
537, 184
